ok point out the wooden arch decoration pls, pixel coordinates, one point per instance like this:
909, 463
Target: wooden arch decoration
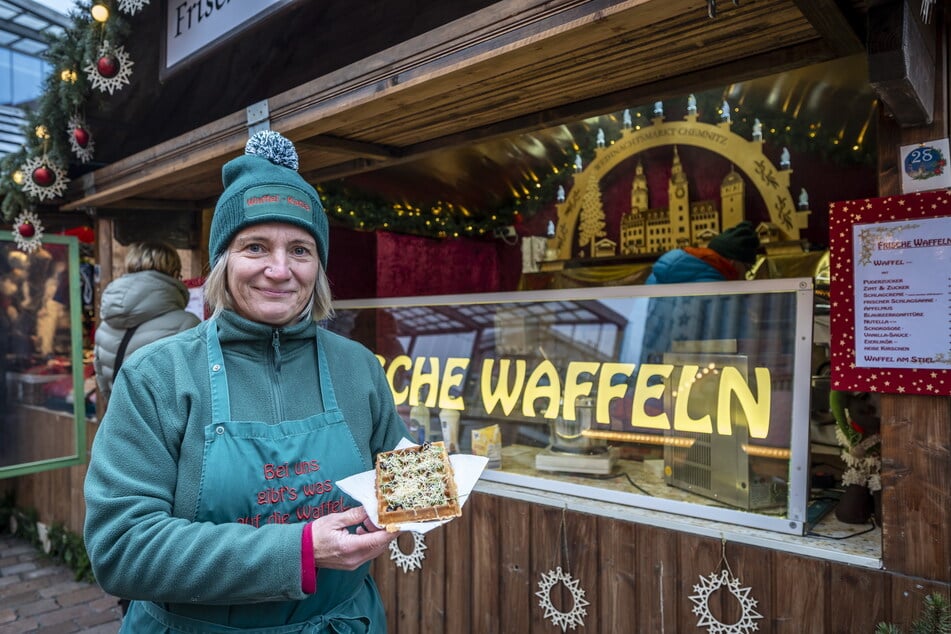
747, 156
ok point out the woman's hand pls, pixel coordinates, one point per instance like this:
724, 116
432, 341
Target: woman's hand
336, 547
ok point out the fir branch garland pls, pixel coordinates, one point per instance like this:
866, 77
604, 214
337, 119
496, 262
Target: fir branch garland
365, 212
66, 92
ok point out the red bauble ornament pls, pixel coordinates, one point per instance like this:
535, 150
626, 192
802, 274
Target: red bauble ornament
108, 66
516, 219
27, 230
43, 176
81, 136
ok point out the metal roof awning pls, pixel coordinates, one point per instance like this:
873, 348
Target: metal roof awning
24, 23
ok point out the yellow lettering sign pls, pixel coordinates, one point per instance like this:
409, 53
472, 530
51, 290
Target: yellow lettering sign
542, 392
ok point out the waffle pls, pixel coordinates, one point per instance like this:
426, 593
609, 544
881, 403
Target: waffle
415, 484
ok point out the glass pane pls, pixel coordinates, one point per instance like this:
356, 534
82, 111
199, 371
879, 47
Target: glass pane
6, 74
681, 402
27, 77
40, 356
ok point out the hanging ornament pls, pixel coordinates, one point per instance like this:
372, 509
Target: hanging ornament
550, 579
44, 178
132, 7
80, 139
575, 616
413, 560
28, 232
725, 580
112, 70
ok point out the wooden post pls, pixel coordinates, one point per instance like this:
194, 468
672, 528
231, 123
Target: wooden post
916, 430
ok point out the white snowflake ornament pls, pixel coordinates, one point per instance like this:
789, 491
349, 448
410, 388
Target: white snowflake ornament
709, 585
44, 179
131, 7
564, 620
28, 232
413, 560
80, 139
111, 71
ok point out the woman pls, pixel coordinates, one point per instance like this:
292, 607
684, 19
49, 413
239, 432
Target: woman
144, 305
211, 493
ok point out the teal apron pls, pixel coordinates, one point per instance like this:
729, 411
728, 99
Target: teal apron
255, 472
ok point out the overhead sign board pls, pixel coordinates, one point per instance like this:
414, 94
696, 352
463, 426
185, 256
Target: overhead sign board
193, 27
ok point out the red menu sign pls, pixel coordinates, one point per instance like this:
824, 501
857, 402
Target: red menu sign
890, 293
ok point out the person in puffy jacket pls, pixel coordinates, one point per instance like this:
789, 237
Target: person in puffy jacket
144, 305
726, 258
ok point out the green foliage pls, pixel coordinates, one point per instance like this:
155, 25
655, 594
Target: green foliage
12, 199
935, 618
837, 402
70, 51
69, 548
441, 220
65, 547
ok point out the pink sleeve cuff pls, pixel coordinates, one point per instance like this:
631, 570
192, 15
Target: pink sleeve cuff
308, 571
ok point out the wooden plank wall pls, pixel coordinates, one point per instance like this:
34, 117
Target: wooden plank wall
916, 430
480, 574
56, 495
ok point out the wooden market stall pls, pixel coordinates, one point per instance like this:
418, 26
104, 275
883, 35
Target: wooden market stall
439, 79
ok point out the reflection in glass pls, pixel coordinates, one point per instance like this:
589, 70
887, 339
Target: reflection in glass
40, 352
681, 398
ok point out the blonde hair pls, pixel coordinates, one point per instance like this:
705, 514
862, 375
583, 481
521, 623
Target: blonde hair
219, 297
153, 256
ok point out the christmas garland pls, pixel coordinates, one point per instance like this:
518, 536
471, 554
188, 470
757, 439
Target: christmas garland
85, 58
365, 212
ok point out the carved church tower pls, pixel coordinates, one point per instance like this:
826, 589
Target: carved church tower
632, 223
732, 200
679, 207
639, 200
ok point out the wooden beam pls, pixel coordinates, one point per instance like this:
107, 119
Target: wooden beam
157, 205
201, 152
774, 62
839, 31
329, 143
901, 62
480, 78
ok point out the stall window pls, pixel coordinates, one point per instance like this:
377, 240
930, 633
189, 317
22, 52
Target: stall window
43, 405
690, 398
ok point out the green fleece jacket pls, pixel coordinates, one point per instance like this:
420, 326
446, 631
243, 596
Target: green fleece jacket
142, 484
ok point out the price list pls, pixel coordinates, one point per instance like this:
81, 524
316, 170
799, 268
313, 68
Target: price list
902, 294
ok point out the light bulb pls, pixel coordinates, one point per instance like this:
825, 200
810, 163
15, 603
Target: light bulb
18, 177
100, 13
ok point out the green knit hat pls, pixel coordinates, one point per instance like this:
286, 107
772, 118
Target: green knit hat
264, 186
737, 243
